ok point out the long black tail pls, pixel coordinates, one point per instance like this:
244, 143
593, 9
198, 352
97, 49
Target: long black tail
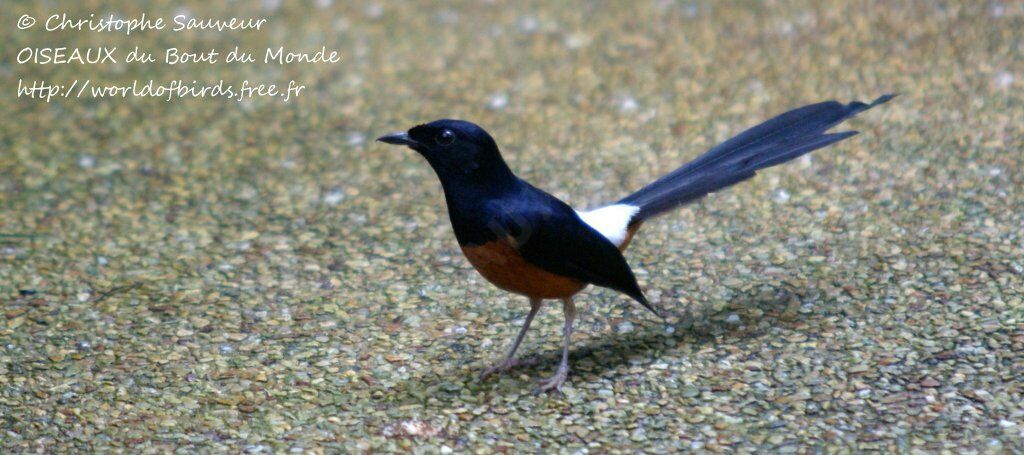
776, 141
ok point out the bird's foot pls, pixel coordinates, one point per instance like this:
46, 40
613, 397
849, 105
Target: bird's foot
554, 383
502, 367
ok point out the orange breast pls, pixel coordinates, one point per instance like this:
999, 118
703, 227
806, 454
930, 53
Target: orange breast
501, 264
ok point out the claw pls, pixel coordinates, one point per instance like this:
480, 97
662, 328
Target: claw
502, 367
554, 383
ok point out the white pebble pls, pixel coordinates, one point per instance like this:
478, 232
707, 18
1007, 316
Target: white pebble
271, 5
86, 161
626, 327
356, 138
1004, 79
576, 41
781, 196
334, 197
998, 10
374, 11
628, 104
528, 24
497, 101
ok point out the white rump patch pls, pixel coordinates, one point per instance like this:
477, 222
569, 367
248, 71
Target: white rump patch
610, 221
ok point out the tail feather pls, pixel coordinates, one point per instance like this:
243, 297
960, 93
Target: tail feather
773, 142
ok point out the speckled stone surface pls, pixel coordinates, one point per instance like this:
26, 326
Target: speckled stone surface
262, 277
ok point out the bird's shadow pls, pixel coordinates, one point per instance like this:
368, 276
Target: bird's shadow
744, 318
609, 351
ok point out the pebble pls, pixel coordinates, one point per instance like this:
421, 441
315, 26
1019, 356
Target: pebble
497, 101
781, 196
86, 161
625, 327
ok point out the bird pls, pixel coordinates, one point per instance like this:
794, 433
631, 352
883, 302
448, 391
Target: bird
528, 242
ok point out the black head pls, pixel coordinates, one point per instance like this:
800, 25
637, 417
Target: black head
456, 149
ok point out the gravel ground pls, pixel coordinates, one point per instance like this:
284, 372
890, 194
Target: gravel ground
262, 276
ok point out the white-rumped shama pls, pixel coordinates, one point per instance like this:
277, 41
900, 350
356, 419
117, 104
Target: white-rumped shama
529, 242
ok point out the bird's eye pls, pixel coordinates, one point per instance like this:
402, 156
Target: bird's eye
445, 137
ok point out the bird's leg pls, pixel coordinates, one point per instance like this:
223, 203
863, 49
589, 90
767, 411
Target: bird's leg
510, 359
554, 383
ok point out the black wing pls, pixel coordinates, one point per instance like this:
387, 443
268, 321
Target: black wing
549, 235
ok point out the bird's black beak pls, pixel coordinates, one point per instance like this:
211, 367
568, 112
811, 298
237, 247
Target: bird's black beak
398, 139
